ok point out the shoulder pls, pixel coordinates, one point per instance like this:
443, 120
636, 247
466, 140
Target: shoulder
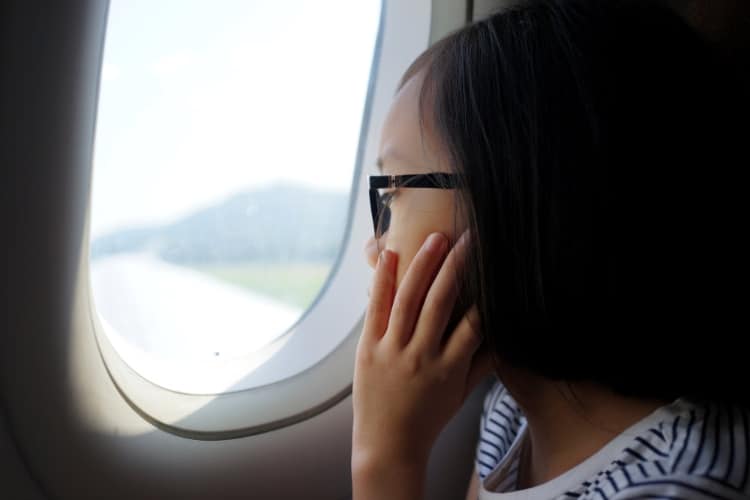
679, 485
695, 451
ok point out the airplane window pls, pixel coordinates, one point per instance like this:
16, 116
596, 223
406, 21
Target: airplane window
227, 134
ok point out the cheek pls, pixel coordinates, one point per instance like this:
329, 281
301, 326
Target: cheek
406, 245
408, 232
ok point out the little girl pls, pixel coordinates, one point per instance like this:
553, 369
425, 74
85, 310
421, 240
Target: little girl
557, 206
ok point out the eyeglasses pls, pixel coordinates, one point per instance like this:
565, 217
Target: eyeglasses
379, 203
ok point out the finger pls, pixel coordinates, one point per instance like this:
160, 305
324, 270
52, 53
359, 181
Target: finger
413, 287
441, 299
464, 340
381, 296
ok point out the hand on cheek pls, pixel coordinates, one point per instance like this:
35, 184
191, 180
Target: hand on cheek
408, 380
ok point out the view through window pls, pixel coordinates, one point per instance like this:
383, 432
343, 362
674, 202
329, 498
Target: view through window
225, 147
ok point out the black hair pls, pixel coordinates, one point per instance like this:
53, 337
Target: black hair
593, 144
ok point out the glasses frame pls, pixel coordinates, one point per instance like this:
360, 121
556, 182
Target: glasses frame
433, 180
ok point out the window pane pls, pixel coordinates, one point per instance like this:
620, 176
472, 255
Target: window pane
225, 147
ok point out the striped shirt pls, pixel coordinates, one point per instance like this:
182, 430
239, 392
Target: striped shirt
683, 450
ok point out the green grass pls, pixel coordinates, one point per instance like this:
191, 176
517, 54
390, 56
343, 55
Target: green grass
295, 284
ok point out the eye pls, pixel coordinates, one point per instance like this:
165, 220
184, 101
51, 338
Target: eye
384, 220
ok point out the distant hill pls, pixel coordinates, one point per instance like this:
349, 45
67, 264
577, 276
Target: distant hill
277, 224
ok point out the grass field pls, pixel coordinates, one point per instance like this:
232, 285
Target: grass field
295, 284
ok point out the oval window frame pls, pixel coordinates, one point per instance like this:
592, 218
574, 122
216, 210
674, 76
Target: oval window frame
263, 400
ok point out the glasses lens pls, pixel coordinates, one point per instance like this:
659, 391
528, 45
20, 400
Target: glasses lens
384, 213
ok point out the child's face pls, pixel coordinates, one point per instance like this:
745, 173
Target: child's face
405, 148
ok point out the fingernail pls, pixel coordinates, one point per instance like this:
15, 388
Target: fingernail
436, 242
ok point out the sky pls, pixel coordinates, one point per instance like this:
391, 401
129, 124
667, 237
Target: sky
200, 100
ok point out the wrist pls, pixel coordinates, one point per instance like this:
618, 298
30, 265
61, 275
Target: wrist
373, 462
382, 475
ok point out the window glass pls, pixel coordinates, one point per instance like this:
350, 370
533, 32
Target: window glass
226, 141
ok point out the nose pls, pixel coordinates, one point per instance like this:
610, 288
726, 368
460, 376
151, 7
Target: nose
372, 249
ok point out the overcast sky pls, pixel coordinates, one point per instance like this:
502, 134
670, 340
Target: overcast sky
203, 99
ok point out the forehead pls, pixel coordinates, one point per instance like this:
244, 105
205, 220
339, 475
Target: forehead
406, 146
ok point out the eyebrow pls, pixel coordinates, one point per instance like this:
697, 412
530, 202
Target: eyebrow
380, 162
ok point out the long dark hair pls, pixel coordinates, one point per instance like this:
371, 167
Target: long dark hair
593, 145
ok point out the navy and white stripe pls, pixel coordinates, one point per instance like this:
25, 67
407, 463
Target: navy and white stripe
500, 422
691, 452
